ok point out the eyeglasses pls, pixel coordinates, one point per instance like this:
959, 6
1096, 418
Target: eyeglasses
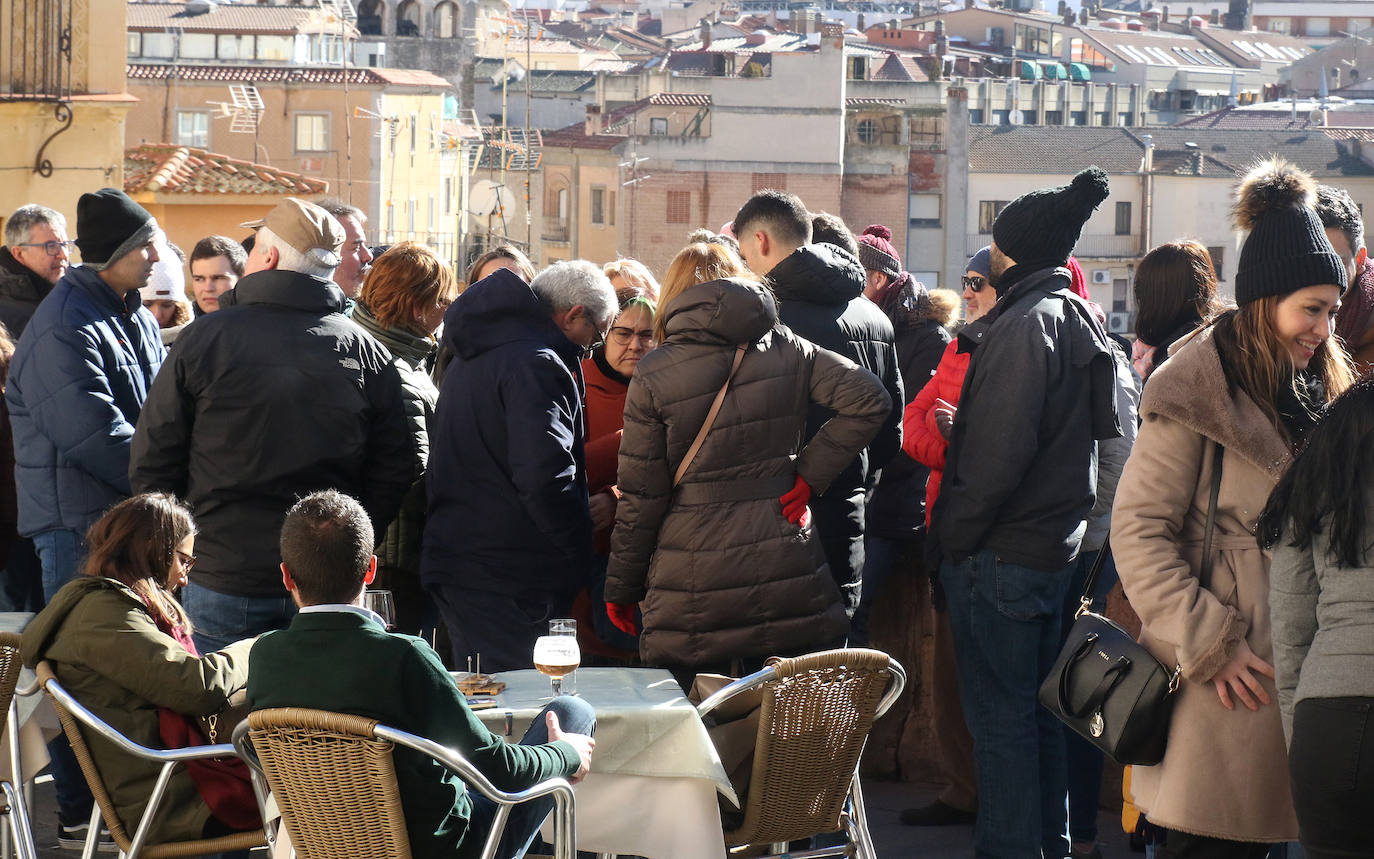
600, 338
187, 561
975, 283
621, 336
52, 248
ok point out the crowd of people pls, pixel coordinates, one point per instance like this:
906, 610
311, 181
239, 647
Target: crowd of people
732, 462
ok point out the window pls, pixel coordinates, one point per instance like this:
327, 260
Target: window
1354, 26
680, 207
598, 205
234, 47
1318, 26
1123, 219
448, 196
1218, 253
410, 215
277, 48
408, 19
765, 181
433, 212
157, 46
414, 130
1121, 295
610, 208
312, 132
446, 20
198, 46
562, 205
923, 210
193, 128
133, 46
658, 125
326, 49
988, 210
1279, 25
868, 131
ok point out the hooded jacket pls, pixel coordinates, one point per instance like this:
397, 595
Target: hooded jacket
76, 387
719, 571
921, 436
272, 397
21, 291
820, 297
106, 650
1040, 390
507, 472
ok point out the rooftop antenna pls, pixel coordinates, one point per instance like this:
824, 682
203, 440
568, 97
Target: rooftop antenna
244, 108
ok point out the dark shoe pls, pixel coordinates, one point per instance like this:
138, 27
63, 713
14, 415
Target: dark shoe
72, 836
937, 814
1094, 852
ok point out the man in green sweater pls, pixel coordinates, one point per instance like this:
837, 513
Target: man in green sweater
337, 656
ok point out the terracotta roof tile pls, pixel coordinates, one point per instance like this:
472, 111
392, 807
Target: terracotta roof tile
286, 74
170, 169
229, 18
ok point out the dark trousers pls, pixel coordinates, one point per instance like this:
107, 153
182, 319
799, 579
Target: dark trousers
1331, 767
1185, 845
500, 627
24, 577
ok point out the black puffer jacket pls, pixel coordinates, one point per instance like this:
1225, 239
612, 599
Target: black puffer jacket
721, 574
272, 397
21, 291
820, 297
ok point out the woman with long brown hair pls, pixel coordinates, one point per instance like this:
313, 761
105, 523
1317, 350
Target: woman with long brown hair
120, 643
722, 557
1175, 291
1232, 403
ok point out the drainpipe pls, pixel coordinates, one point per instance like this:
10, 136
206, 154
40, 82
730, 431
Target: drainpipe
1147, 165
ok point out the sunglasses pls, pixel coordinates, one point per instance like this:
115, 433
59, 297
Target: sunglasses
975, 283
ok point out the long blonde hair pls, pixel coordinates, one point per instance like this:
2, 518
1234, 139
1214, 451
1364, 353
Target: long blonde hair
1261, 364
699, 262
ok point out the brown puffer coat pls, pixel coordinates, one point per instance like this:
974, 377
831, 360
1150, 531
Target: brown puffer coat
721, 574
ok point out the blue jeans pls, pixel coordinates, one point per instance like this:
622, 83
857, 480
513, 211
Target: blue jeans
1084, 760
219, 619
60, 553
575, 716
882, 557
1005, 621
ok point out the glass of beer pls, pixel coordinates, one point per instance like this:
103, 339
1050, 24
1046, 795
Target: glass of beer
557, 656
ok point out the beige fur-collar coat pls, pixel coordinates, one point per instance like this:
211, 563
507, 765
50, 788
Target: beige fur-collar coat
1224, 773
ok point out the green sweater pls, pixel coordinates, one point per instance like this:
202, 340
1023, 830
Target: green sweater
343, 662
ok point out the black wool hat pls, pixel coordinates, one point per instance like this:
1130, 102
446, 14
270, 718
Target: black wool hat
1040, 228
1287, 248
109, 224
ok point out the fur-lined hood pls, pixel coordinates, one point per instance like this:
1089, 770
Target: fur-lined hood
1191, 388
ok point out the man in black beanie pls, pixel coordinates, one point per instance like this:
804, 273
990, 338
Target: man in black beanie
76, 385
1017, 489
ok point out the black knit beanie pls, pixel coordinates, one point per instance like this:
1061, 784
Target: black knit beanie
1039, 229
1287, 248
109, 224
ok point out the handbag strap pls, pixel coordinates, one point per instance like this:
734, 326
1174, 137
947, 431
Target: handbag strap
1205, 574
710, 416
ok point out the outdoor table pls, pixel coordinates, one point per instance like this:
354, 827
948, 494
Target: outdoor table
655, 775
37, 719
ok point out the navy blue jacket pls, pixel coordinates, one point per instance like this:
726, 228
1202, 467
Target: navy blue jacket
507, 476
76, 386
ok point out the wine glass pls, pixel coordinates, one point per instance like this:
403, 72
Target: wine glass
556, 656
381, 602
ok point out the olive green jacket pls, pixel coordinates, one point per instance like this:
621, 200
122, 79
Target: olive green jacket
109, 654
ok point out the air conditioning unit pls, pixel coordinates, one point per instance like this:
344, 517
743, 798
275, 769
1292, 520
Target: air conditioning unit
1102, 275
1118, 323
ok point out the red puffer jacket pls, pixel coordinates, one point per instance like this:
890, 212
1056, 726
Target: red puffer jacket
921, 438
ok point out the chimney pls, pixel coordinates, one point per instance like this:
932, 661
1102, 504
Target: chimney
704, 32
861, 27
1061, 7
593, 121
1164, 14
1216, 17
1083, 15
970, 4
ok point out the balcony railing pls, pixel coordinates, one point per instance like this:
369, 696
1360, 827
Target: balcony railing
35, 50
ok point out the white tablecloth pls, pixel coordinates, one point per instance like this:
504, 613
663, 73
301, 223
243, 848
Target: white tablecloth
655, 775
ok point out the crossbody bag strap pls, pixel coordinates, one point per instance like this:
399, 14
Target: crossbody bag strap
1086, 601
710, 416
1205, 574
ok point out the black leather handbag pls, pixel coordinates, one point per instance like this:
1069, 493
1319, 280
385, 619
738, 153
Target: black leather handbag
1106, 686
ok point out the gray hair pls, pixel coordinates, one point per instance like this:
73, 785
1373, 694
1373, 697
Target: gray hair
568, 283
1339, 212
25, 218
340, 210
317, 263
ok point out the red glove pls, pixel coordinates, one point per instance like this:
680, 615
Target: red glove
623, 616
794, 503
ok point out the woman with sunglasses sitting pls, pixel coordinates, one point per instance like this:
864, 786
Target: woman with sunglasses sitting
607, 373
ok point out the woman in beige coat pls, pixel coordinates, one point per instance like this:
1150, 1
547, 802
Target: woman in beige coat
1246, 389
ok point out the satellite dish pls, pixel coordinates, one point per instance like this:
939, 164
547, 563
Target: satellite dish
1316, 117
487, 198
1016, 117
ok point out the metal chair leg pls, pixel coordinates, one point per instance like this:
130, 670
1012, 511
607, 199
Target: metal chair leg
859, 823
92, 834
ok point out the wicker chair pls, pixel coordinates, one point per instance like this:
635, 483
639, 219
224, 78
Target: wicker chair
74, 717
814, 718
20, 829
334, 780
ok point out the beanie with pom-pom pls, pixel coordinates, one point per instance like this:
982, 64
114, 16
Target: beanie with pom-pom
1287, 248
1039, 229
876, 252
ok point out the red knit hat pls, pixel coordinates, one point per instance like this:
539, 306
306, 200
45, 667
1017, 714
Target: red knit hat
876, 252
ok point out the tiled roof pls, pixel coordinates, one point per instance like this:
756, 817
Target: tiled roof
613, 66
286, 74
170, 169
900, 67
1026, 149
681, 99
228, 18
1278, 119
576, 137
860, 101
557, 81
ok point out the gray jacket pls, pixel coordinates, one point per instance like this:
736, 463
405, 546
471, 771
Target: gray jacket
1323, 620
1112, 453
